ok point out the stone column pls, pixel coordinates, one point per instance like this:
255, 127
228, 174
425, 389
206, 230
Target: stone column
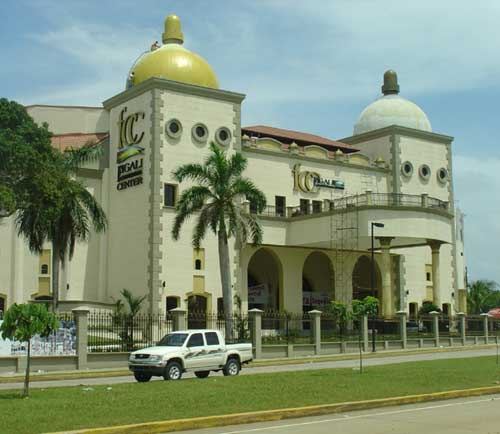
402, 327
461, 319
485, 327
369, 197
316, 330
81, 315
387, 295
178, 319
435, 326
364, 331
424, 200
256, 324
435, 246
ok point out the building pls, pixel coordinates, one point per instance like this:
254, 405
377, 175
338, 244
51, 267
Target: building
324, 196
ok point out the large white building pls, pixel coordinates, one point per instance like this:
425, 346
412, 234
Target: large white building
323, 197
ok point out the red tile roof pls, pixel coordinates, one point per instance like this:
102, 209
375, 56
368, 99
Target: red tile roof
76, 140
303, 139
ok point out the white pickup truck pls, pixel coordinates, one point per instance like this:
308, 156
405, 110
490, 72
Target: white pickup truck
200, 351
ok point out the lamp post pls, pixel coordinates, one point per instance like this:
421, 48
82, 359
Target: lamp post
372, 276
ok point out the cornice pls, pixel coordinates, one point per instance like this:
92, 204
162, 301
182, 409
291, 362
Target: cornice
396, 129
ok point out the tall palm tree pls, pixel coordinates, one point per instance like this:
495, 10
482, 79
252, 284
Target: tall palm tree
61, 212
482, 295
216, 198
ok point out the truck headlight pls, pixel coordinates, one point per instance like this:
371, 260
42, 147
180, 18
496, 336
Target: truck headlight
155, 358
131, 358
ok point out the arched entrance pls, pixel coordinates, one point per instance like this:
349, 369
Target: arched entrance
361, 279
265, 278
318, 282
197, 312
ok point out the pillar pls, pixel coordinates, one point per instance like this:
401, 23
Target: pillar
435, 246
369, 197
485, 327
364, 331
256, 324
316, 330
81, 315
402, 328
387, 295
178, 319
435, 326
461, 319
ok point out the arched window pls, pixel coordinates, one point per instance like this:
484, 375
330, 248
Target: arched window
197, 264
172, 303
44, 269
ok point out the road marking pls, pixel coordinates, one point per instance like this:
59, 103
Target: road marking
346, 417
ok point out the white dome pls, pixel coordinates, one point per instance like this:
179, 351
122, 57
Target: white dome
391, 109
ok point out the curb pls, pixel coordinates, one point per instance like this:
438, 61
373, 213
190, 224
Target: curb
287, 413
257, 363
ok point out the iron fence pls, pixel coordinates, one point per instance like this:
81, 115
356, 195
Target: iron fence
337, 329
285, 327
238, 324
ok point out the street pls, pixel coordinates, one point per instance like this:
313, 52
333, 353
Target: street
460, 416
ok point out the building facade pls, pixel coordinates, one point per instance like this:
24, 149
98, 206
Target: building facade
324, 198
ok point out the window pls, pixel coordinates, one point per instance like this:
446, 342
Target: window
424, 172
200, 132
428, 276
280, 204
220, 307
2, 304
317, 205
223, 136
304, 206
197, 264
172, 303
442, 175
44, 269
196, 340
407, 169
212, 338
173, 128
170, 194
199, 259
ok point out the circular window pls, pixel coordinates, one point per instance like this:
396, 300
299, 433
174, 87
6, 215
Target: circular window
200, 132
425, 171
407, 169
223, 136
442, 175
173, 128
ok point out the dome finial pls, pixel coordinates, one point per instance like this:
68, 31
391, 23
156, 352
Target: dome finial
391, 85
173, 31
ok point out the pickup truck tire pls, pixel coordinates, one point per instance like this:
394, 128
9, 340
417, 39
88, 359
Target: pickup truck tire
173, 371
141, 377
202, 374
232, 367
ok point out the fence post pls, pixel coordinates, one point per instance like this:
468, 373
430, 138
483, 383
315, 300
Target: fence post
461, 319
402, 328
316, 329
178, 319
81, 315
485, 327
364, 331
435, 326
256, 321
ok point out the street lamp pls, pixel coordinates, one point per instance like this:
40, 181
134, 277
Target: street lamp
372, 277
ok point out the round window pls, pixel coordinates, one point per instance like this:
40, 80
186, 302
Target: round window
173, 128
425, 171
223, 136
407, 169
442, 175
200, 132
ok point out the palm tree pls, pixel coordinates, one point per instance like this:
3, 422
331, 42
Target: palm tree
134, 306
216, 198
482, 295
61, 212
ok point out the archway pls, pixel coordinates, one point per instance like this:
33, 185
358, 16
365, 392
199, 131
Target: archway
361, 279
318, 282
197, 312
265, 277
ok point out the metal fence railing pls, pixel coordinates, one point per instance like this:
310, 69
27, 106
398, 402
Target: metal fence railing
238, 324
285, 327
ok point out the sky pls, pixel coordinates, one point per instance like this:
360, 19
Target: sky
305, 65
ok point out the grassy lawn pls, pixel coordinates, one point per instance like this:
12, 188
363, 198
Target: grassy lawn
60, 409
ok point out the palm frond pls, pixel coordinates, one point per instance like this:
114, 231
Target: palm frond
194, 172
88, 153
245, 187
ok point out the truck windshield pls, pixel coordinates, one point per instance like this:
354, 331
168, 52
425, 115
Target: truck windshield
173, 340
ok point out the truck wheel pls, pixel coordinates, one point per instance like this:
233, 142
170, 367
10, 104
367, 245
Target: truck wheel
173, 371
202, 374
232, 367
141, 377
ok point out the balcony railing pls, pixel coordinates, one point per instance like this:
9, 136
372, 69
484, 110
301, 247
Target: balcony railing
365, 199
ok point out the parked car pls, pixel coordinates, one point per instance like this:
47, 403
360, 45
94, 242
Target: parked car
198, 351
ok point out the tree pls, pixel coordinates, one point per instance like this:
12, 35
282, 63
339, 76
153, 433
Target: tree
216, 196
428, 307
134, 304
482, 295
340, 314
22, 322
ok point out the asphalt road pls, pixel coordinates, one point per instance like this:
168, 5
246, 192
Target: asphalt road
270, 369
461, 416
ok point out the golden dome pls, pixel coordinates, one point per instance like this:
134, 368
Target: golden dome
174, 62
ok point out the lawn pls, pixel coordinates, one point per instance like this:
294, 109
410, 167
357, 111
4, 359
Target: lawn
61, 409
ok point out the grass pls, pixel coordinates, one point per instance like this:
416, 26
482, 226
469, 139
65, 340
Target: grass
60, 409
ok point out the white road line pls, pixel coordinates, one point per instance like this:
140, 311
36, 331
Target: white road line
346, 417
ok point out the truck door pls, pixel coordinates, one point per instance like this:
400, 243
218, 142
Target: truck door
196, 356
215, 350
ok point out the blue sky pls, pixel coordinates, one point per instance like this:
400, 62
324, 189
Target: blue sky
310, 66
